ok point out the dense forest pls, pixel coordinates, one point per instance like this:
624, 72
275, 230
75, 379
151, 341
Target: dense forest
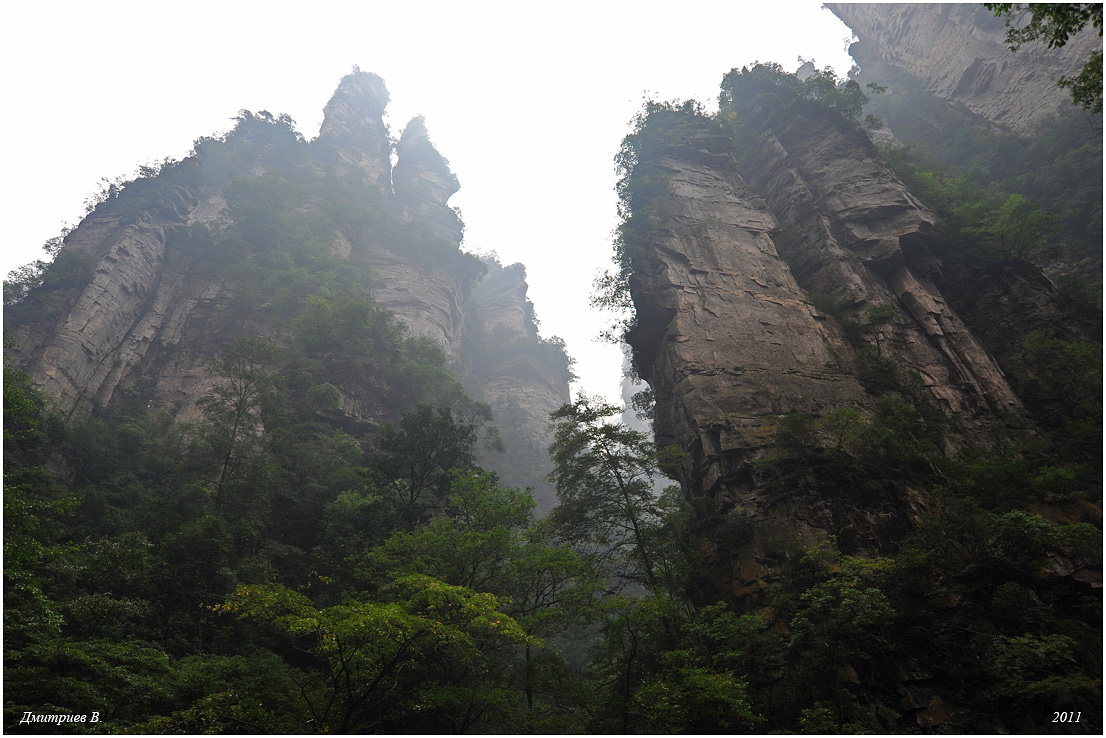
268, 565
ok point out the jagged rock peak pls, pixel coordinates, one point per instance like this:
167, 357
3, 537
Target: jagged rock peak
416, 139
362, 93
420, 168
353, 128
502, 298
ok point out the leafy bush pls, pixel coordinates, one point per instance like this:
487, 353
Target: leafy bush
984, 224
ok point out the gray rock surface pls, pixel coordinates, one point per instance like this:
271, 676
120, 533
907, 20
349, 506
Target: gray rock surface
735, 251
958, 53
154, 313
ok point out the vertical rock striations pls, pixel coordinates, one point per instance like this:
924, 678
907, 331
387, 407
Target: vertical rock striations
854, 235
79, 358
353, 136
958, 53
152, 290
792, 279
426, 292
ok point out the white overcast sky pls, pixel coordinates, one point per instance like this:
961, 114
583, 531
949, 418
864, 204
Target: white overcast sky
527, 100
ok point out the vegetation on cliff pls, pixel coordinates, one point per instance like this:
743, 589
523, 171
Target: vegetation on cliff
983, 613
280, 565
169, 575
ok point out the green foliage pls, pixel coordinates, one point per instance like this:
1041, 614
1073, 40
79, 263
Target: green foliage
70, 269
153, 182
21, 281
604, 474
127, 678
740, 89
696, 689
375, 653
898, 438
844, 427
382, 582
1058, 164
984, 225
254, 138
1039, 666
413, 463
34, 503
234, 410
694, 699
1086, 87
1066, 377
229, 694
307, 524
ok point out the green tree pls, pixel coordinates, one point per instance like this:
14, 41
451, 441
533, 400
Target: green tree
604, 475
698, 687
487, 540
984, 224
34, 505
378, 660
412, 463
740, 86
844, 427
235, 407
1053, 24
840, 621
127, 679
21, 281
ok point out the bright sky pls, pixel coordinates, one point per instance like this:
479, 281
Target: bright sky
527, 100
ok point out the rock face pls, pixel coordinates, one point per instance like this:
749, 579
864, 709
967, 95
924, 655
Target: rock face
736, 254
157, 308
521, 376
517, 378
79, 357
353, 135
957, 52
857, 236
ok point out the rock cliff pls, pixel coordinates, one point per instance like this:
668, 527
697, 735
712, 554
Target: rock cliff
855, 236
957, 53
163, 292
811, 367
785, 271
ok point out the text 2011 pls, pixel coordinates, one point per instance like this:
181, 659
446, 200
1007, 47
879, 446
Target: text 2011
1066, 717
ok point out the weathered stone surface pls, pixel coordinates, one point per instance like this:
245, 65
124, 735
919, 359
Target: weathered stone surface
734, 250
79, 359
429, 300
424, 183
519, 384
153, 315
728, 339
353, 135
957, 52
854, 234
501, 302
417, 288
